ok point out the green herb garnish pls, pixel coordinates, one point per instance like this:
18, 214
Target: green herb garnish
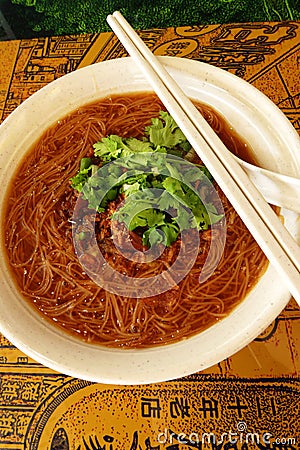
158, 185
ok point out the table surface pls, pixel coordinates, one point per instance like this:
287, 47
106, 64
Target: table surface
250, 399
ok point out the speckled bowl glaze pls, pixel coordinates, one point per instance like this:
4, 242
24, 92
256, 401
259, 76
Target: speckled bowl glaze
276, 146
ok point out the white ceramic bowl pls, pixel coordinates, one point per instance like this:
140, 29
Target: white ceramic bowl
276, 146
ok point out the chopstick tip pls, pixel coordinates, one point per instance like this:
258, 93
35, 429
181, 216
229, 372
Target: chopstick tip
111, 17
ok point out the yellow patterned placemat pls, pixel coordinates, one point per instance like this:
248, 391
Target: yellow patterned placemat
250, 400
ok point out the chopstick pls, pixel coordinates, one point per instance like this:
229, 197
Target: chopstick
274, 239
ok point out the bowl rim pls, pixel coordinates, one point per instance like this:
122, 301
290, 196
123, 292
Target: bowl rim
184, 357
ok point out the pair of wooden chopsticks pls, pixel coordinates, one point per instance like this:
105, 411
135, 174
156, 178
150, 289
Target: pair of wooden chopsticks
276, 242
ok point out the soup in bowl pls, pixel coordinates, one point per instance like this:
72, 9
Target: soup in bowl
123, 261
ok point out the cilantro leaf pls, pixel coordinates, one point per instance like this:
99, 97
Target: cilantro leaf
149, 218
165, 234
152, 237
85, 171
165, 131
113, 147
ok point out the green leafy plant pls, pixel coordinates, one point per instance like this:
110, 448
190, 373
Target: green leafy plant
89, 16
